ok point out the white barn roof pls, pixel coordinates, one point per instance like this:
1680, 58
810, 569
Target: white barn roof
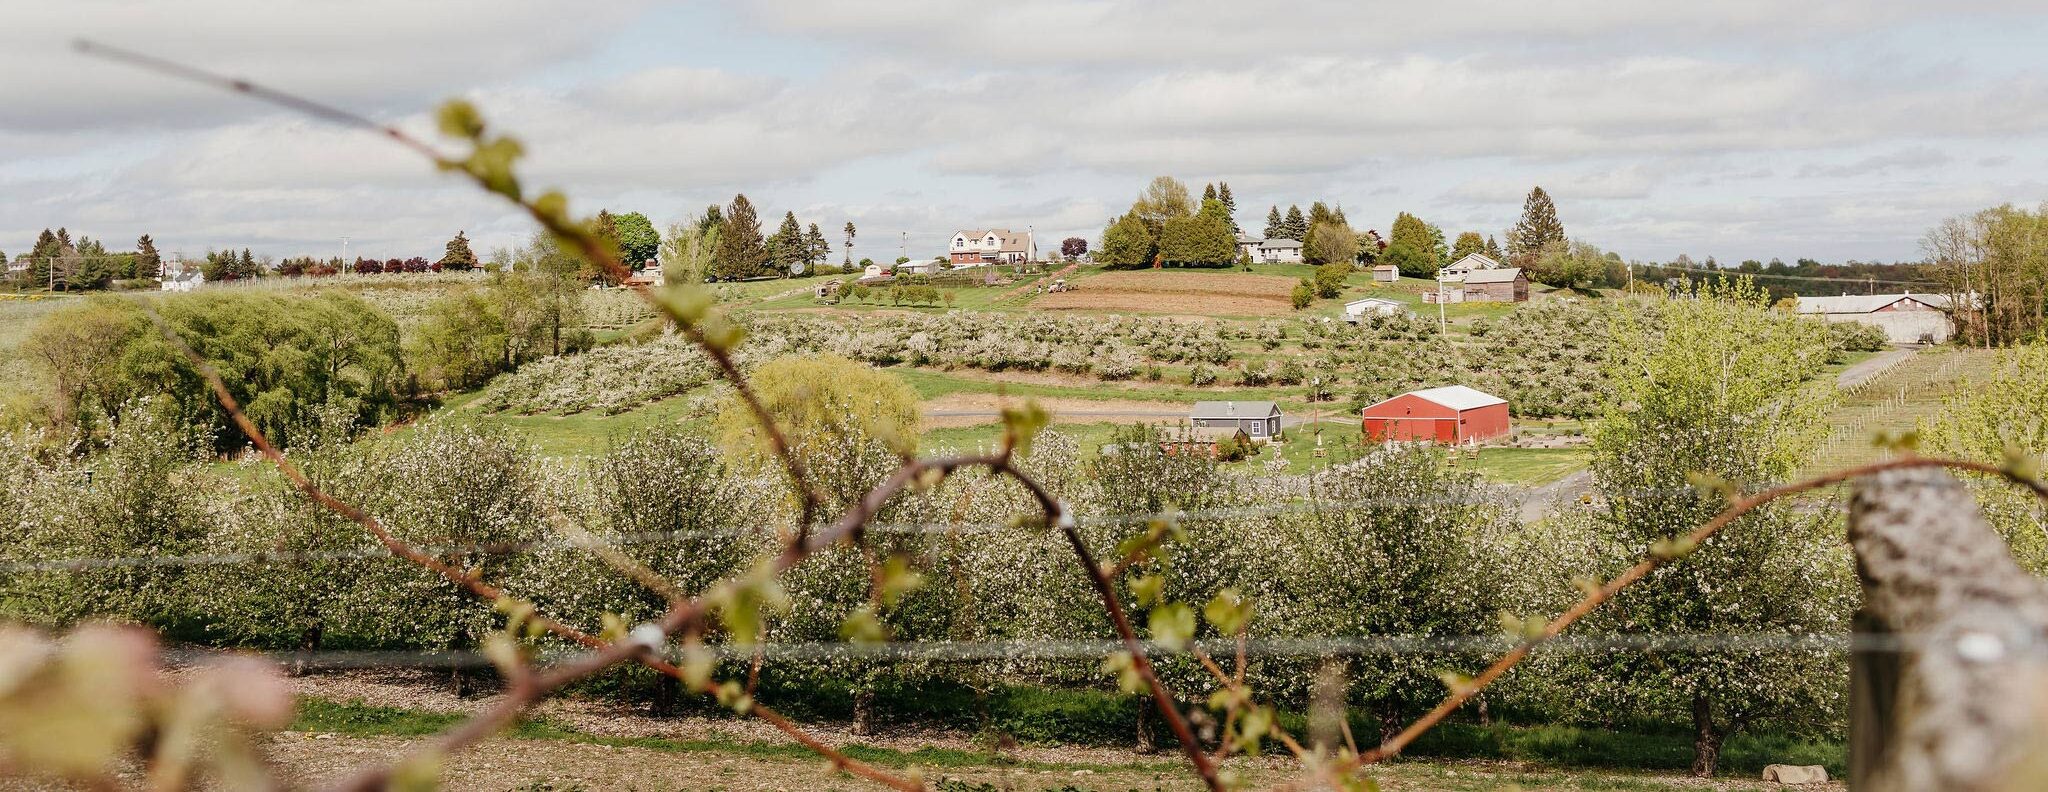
1865, 303
1456, 397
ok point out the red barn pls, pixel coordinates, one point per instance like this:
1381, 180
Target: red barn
1450, 415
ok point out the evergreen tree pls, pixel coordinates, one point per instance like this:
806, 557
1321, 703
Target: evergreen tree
148, 263
457, 255
742, 253
1318, 214
849, 244
1229, 207
816, 249
1296, 226
1412, 246
1203, 240
1209, 192
1493, 249
714, 217
1126, 243
1274, 225
1539, 229
245, 267
786, 245
41, 257
1468, 243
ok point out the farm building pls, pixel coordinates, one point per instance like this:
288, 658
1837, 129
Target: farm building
1472, 262
1278, 251
1204, 440
1386, 273
1905, 318
926, 267
1450, 415
1358, 309
1259, 419
991, 245
827, 289
1496, 285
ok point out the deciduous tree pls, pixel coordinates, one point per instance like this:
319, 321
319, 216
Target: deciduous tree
1126, 244
638, 241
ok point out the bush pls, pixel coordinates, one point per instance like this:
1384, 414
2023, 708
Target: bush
1304, 294
1201, 375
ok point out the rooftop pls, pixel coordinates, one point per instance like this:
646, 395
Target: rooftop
1865, 303
1233, 409
1502, 275
1456, 397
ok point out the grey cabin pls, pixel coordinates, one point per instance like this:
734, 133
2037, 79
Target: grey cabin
1259, 419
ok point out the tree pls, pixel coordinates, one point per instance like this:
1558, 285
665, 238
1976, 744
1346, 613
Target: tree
741, 253
1493, 250
1569, 266
638, 241
820, 403
1296, 226
849, 244
1994, 265
1164, 199
1721, 390
1304, 294
1229, 207
816, 248
1370, 246
1468, 243
2003, 416
458, 255
1203, 240
1412, 247
1330, 243
1126, 243
1329, 278
1073, 247
148, 263
1538, 229
1274, 225
1208, 192
786, 246
605, 227
687, 253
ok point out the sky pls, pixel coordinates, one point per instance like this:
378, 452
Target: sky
1735, 129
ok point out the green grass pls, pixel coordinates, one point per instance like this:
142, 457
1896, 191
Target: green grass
931, 384
1529, 466
1896, 401
356, 719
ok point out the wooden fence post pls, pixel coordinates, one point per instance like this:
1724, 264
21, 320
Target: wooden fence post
1957, 705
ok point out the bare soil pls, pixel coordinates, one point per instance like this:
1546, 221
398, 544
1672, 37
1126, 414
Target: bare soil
986, 408
559, 765
1167, 292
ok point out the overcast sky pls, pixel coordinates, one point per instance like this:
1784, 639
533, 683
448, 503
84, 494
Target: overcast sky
1735, 129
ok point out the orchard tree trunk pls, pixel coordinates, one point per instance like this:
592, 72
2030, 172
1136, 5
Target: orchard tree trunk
460, 681
309, 642
1707, 738
864, 711
1146, 744
668, 695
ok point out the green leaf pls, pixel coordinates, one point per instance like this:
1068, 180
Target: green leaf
1228, 611
898, 579
458, 118
863, 627
1126, 670
1022, 424
1145, 589
1173, 625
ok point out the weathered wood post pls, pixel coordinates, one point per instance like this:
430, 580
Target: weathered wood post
1956, 705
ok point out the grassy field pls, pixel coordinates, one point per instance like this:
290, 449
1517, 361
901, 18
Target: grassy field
1896, 401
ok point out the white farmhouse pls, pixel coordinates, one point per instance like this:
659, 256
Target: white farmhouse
991, 246
1905, 318
1457, 270
1278, 251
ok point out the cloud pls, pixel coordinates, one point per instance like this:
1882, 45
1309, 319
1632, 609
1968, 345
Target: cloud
1914, 158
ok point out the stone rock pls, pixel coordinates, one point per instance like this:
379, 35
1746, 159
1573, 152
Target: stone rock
1796, 774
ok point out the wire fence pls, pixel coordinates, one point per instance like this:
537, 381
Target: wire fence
368, 551
1277, 647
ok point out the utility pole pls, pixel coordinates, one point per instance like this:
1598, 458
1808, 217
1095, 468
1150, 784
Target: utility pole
903, 243
1442, 325
346, 265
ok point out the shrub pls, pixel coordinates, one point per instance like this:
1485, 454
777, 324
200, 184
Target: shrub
1201, 375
